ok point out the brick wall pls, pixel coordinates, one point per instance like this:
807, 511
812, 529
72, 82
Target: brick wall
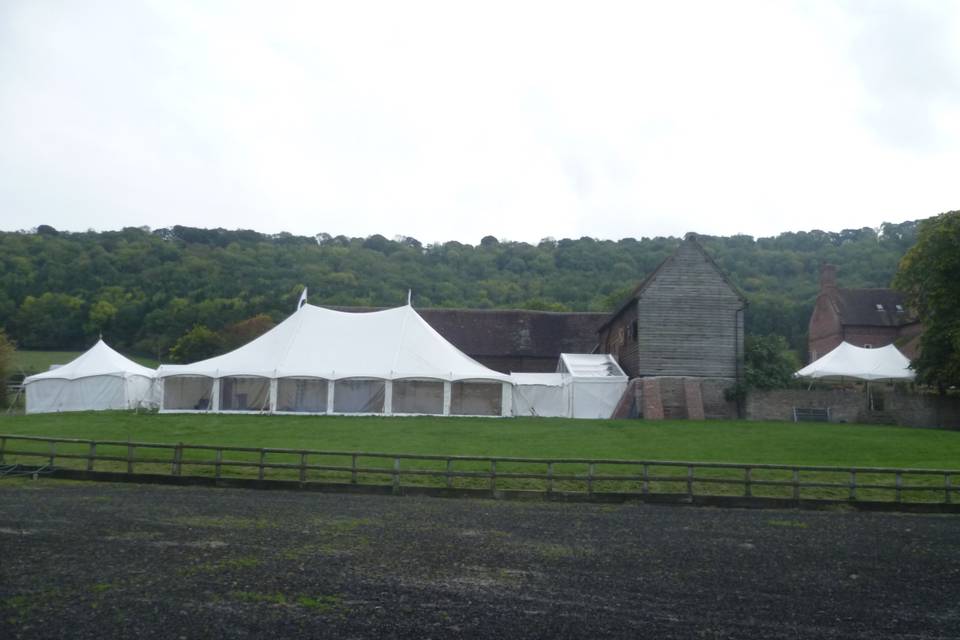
900, 408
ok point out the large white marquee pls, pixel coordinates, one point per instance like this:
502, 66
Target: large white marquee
322, 361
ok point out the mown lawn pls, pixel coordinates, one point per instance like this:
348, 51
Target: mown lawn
709, 441
832, 445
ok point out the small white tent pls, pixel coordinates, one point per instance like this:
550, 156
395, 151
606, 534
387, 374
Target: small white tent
99, 379
848, 361
324, 361
586, 385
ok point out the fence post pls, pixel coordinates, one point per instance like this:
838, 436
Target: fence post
91, 455
493, 475
646, 479
449, 473
947, 488
690, 482
353, 469
796, 484
130, 449
303, 466
590, 468
3, 446
550, 477
853, 484
899, 482
263, 457
53, 452
179, 458
396, 476
747, 480
217, 462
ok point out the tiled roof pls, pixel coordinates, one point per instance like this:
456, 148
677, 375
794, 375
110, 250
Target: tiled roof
872, 307
512, 332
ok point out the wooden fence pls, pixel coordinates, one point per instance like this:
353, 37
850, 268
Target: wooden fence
592, 478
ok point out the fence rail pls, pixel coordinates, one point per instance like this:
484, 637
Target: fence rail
590, 477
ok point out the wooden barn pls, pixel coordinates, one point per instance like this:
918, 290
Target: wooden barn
685, 319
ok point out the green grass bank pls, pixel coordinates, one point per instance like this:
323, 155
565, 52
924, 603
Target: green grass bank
707, 441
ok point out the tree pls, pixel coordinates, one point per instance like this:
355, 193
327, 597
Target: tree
929, 276
197, 344
6, 365
769, 362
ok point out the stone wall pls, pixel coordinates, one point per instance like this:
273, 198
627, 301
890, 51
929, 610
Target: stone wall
850, 405
681, 398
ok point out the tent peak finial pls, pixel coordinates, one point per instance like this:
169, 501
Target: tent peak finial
409, 296
303, 299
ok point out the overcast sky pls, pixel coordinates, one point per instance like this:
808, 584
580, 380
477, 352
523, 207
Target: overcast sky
454, 120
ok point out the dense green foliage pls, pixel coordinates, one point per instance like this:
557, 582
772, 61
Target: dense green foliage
929, 274
6, 365
145, 289
708, 441
769, 362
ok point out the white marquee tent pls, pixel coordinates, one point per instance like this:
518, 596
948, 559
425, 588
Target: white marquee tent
324, 361
586, 385
848, 361
99, 379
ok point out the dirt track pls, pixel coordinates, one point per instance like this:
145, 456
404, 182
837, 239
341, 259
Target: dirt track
87, 560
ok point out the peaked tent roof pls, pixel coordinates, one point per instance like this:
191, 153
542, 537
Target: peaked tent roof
98, 360
848, 361
323, 343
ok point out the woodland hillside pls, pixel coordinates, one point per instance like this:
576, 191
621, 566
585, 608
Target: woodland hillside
143, 289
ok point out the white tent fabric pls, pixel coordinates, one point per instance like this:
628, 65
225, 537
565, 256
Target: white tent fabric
586, 385
99, 379
369, 362
545, 395
598, 383
848, 361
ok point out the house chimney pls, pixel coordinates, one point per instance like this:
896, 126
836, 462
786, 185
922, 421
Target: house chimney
828, 276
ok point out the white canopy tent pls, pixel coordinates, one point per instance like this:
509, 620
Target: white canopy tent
586, 385
848, 361
100, 379
324, 361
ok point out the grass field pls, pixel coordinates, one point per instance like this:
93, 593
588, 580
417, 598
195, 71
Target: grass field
30, 362
832, 445
708, 441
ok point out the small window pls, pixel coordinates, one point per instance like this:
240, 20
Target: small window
633, 330
899, 308
879, 307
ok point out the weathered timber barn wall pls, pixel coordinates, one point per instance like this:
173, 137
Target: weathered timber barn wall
686, 319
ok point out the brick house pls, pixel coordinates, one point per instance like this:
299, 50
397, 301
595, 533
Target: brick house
863, 317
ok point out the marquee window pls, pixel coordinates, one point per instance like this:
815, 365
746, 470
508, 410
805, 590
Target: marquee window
187, 393
475, 398
358, 396
302, 395
244, 394
418, 396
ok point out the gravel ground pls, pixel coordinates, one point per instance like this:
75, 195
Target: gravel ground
93, 560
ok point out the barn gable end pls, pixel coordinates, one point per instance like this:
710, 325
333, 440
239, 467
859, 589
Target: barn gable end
685, 319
